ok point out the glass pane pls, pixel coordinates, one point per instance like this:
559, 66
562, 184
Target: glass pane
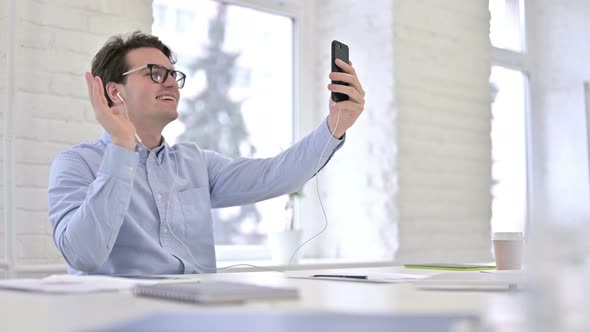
507, 24
508, 150
238, 95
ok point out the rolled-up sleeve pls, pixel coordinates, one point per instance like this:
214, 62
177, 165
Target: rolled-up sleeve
86, 207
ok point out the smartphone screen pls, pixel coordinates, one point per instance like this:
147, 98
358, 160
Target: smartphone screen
339, 51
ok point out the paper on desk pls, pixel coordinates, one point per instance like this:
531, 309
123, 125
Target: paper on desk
473, 281
389, 278
71, 284
515, 273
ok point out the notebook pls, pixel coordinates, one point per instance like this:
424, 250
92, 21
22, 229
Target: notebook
452, 267
215, 292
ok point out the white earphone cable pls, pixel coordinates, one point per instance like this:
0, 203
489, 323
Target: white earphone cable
296, 250
317, 187
241, 264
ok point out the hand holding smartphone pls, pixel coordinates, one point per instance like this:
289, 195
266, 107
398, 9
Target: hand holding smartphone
339, 51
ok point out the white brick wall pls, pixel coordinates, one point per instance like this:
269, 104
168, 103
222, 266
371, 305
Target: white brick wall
55, 42
358, 186
419, 158
441, 69
418, 162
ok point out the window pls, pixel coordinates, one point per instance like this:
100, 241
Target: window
510, 92
508, 149
507, 24
238, 97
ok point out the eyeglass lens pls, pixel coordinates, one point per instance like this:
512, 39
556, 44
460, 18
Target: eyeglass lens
160, 74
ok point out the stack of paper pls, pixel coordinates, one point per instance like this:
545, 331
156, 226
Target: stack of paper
473, 281
68, 284
452, 267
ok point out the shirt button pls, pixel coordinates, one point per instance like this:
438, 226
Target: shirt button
165, 230
130, 169
159, 196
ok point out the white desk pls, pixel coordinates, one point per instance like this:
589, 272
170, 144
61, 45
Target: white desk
36, 312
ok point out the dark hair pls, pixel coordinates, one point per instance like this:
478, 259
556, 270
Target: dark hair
110, 61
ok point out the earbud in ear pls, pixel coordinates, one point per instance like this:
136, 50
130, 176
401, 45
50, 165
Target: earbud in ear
127, 115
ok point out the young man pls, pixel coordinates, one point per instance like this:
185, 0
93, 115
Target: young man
129, 203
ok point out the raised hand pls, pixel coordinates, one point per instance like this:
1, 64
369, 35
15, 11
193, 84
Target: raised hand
112, 119
349, 109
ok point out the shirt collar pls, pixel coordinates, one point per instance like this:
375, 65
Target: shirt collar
160, 150
106, 137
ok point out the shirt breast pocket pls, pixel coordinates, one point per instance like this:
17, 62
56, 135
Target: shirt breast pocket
196, 210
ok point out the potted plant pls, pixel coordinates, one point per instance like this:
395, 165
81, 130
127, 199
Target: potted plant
283, 244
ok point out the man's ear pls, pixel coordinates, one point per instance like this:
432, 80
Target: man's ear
112, 90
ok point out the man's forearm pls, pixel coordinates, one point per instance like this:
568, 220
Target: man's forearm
90, 232
244, 181
87, 213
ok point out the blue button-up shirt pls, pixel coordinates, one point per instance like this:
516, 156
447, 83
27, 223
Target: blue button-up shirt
116, 211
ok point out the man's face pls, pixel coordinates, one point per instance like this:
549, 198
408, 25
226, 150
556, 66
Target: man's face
150, 103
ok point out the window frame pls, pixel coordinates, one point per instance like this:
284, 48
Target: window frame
523, 62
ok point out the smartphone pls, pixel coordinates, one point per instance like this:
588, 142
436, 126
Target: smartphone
339, 51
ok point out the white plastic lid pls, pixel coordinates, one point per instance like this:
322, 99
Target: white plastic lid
509, 236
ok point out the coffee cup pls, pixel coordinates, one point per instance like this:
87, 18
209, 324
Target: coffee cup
508, 250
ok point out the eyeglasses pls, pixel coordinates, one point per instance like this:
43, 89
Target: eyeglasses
159, 74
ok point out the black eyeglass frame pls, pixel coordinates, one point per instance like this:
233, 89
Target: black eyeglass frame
179, 76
